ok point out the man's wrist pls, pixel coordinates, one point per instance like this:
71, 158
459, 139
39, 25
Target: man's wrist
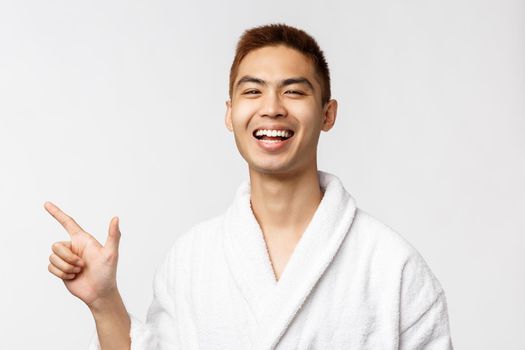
108, 303
112, 321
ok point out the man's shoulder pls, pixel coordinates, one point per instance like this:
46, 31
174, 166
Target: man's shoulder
200, 233
394, 252
377, 234
191, 245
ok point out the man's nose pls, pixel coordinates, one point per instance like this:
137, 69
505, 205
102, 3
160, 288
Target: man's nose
272, 106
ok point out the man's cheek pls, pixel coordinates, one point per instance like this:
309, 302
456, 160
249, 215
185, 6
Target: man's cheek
242, 113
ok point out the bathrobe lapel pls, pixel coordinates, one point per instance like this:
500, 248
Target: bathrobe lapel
275, 304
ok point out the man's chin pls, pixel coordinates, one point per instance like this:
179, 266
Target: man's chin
269, 169
278, 170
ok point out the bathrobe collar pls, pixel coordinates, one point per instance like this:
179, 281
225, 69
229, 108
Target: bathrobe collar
273, 303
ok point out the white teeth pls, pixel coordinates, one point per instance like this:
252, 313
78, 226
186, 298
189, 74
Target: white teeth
273, 133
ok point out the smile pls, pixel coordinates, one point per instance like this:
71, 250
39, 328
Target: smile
273, 140
274, 135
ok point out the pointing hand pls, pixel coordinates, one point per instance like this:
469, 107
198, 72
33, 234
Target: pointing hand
87, 268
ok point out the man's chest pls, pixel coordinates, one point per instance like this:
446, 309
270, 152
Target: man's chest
280, 249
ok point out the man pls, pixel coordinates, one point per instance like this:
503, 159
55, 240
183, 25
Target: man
292, 263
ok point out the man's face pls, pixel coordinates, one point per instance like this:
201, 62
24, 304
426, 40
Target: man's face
277, 88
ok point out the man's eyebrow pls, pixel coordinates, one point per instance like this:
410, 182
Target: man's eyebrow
285, 82
298, 80
250, 79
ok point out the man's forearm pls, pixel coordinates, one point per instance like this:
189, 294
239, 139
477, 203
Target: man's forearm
113, 323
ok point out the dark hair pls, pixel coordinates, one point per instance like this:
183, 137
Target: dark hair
282, 34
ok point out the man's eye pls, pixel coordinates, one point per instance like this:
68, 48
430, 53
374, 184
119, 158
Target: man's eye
251, 92
294, 92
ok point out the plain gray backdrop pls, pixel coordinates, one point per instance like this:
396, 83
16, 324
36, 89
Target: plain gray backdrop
116, 108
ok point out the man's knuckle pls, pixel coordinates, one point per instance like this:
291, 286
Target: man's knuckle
54, 270
53, 258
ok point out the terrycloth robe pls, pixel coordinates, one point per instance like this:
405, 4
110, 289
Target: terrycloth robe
350, 283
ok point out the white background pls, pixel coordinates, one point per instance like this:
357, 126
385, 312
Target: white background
116, 108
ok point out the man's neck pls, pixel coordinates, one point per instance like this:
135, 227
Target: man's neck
285, 205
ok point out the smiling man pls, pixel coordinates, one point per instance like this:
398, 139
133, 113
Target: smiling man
292, 263
279, 103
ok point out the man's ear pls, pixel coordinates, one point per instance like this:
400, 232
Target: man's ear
228, 116
329, 115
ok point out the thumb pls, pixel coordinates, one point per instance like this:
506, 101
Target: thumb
112, 242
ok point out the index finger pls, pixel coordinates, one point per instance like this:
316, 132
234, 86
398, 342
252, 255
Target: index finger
65, 220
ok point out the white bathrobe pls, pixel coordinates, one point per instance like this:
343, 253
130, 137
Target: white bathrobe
351, 283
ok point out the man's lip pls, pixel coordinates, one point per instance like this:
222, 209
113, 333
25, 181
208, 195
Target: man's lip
274, 146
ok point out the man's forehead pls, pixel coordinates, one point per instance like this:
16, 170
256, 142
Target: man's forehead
278, 57
275, 64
